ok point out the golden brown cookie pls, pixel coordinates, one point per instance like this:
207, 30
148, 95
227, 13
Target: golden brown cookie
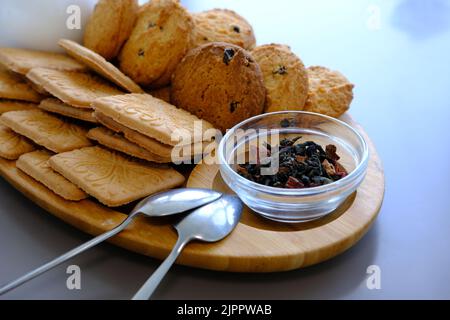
330, 92
46, 130
285, 77
222, 25
152, 117
35, 164
22, 60
13, 145
14, 86
57, 106
98, 64
220, 83
13, 105
109, 26
113, 178
77, 89
160, 39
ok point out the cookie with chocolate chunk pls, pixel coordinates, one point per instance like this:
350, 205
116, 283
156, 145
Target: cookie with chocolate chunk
222, 25
160, 39
285, 77
109, 26
220, 83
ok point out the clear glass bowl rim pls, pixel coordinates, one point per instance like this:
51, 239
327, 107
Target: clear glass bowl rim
347, 180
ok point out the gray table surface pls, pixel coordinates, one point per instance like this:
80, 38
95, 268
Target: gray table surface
398, 55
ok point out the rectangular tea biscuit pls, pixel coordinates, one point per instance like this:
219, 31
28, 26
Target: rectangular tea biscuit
46, 130
78, 89
59, 107
112, 178
99, 64
22, 60
35, 164
14, 86
145, 142
118, 142
13, 105
13, 145
152, 117
150, 144
38, 88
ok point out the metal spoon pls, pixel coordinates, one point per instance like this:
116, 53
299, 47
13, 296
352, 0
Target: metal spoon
157, 205
210, 223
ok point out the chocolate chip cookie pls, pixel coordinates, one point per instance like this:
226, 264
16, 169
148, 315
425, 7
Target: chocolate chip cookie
219, 82
160, 39
221, 25
285, 77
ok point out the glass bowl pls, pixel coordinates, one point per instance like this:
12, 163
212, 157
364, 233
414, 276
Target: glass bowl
293, 205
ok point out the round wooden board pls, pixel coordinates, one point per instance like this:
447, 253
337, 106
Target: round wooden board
256, 245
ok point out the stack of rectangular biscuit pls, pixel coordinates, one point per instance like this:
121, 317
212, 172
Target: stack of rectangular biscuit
55, 109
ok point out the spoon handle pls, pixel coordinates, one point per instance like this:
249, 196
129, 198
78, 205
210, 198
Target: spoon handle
57, 261
149, 287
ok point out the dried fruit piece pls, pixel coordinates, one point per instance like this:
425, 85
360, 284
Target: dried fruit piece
331, 152
293, 183
228, 55
329, 168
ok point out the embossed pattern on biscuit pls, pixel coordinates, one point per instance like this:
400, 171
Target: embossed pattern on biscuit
13, 145
14, 86
112, 178
152, 117
23, 60
35, 164
46, 130
78, 89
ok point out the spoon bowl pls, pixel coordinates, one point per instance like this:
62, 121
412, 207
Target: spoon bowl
209, 223
212, 222
174, 201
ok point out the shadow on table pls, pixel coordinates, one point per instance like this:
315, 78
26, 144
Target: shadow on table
332, 279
